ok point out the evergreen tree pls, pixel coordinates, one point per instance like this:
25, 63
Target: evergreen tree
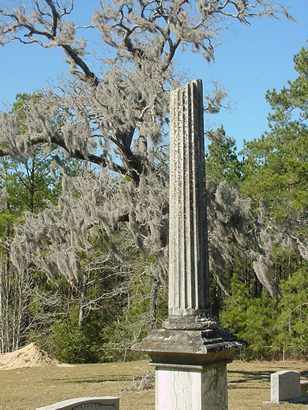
292, 322
222, 161
276, 179
276, 165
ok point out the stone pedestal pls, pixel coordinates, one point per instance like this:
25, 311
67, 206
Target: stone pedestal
190, 367
184, 387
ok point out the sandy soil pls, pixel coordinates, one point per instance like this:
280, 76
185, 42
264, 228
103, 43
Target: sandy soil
28, 356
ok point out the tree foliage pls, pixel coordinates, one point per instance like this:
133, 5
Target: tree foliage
275, 178
222, 162
270, 328
276, 170
98, 227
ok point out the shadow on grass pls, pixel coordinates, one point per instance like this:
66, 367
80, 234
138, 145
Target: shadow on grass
301, 400
247, 376
248, 388
96, 379
243, 377
261, 375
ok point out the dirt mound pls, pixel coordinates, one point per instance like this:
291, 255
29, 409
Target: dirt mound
28, 356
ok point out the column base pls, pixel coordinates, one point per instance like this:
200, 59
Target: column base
189, 347
184, 387
200, 321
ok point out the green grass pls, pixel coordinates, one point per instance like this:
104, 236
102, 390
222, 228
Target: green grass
25, 389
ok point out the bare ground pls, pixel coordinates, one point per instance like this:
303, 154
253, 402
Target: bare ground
28, 356
28, 388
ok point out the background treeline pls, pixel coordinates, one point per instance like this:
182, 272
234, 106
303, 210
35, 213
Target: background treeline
258, 202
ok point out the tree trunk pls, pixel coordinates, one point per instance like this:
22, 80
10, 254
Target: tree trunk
154, 301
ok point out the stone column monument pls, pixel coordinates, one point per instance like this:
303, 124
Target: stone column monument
190, 352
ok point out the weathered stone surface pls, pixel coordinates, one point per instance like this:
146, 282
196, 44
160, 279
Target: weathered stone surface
285, 385
189, 346
188, 273
188, 329
191, 387
86, 403
190, 352
304, 386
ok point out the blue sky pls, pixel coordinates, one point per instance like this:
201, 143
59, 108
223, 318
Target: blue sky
249, 61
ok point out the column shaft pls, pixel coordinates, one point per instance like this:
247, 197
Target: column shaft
188, 273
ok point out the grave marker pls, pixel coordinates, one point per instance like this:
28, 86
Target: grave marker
85, 403
285, 385
190, 352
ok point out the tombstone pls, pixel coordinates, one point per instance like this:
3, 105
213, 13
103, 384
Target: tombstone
85, 403
285, 385
304, 386
190, 352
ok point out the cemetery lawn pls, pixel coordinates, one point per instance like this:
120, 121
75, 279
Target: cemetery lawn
28, 388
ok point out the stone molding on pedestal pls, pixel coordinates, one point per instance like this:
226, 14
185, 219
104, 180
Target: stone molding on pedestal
189, 347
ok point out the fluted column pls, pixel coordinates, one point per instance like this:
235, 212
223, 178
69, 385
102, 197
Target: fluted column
188, 257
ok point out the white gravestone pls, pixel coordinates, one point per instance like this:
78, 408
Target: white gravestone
85, 403
285, 385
